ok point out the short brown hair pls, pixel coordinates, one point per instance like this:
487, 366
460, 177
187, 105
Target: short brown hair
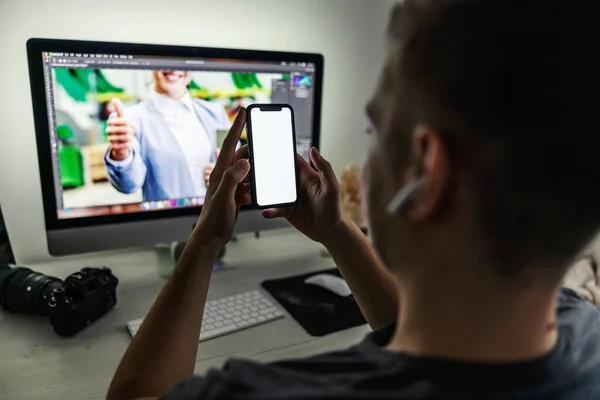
515, 85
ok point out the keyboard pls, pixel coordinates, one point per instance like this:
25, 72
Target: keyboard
230, 314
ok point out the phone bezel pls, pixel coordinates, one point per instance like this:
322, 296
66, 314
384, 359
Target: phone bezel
270, 107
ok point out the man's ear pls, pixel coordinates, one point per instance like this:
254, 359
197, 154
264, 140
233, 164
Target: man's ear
431, 164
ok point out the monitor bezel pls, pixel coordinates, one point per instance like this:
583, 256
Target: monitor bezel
35, 48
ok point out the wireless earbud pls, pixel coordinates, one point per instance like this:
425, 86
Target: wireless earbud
402, 199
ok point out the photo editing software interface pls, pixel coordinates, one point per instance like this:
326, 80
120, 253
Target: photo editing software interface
142, 133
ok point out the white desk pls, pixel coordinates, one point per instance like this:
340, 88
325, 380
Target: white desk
35, 363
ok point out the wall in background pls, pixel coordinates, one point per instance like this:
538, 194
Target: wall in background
350, 34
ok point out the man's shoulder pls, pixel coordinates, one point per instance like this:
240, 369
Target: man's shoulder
578, 323
573, 309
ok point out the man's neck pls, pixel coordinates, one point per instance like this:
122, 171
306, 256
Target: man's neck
472, 322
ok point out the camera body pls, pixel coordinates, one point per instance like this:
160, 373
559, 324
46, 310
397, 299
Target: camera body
70, 305
84, 297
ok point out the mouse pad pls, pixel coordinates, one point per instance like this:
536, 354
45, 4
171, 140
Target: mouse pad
319, 311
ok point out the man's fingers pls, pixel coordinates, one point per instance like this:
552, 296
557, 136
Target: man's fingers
324, 168
274, 213
243, 196
226, 156
233, 176
242, 152
118, 106
306, 171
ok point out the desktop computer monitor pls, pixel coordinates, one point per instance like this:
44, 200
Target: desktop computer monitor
127, 133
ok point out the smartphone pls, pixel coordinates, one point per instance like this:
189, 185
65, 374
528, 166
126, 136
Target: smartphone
272, 153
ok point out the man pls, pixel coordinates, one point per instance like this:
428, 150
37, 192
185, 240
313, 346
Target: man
479, 190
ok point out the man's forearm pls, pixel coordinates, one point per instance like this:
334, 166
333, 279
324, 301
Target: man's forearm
163, 352
372, 285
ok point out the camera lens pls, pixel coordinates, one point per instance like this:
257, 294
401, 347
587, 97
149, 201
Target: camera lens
25, 291
6, 273
46, 295
9, 277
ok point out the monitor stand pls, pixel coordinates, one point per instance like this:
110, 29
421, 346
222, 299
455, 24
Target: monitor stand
168, 255
325, 253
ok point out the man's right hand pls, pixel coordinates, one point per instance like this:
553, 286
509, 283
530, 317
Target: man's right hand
319, 216
319, 210
120, 132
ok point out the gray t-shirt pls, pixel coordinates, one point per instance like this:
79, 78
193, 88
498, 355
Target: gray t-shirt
571, 371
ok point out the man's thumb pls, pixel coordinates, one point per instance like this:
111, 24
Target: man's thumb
118, 107
234, 175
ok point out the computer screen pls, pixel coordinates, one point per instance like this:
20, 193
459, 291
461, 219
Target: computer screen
140, 133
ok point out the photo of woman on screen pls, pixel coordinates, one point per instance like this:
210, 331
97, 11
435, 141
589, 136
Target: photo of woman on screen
167, 144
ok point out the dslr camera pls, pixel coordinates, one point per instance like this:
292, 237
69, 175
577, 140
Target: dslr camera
71, 304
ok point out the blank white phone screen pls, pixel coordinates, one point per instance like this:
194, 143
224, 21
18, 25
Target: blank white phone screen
273, 153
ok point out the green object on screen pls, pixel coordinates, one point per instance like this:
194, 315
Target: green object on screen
104, 86
69, 159
104, 134
79, 82
245, 80
71, 167
94, 80
254, 80
193, 85
71, 84
83, 77
198, 91
65, 133
235, 77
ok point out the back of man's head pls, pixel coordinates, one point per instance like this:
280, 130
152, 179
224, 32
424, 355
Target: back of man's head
513, 86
